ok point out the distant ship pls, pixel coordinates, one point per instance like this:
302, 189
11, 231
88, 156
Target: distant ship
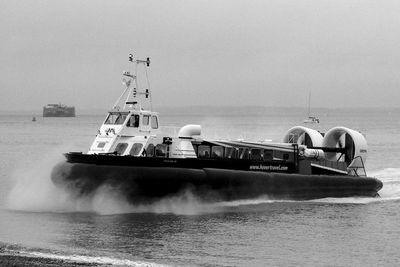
58, 110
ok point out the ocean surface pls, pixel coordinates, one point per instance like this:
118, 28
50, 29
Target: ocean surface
39, 221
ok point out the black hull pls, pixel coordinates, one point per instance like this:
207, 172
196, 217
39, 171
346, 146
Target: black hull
144, 184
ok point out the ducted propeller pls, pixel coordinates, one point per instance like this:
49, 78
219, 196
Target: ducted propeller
349, 143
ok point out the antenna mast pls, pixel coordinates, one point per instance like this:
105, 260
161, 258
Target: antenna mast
133, 91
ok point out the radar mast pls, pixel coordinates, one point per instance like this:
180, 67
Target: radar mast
134, 94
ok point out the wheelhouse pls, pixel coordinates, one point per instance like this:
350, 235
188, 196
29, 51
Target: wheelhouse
133, 119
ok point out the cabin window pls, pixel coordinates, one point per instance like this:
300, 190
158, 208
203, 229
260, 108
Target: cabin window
146, 119
230, 152
154, 122
256, 154
217, 152
281, 155
115, 118
268, 154
150, 150
243, 153
101, 144
204, 152
120, 148
161, 150
135, 150
133, 121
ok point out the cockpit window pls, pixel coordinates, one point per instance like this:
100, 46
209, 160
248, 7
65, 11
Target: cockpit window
115, 118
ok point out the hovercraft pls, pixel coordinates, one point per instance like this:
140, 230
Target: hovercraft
131, 154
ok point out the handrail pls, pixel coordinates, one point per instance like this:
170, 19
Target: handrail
355, 169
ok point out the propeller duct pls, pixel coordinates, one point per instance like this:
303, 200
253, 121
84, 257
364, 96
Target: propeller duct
353, 143
303, 136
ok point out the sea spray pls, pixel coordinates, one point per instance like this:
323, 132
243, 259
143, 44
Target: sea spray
33, 190
184, 203
107, 201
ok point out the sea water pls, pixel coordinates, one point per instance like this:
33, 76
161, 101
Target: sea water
39, 220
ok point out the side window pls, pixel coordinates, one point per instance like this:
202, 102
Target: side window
154, 122
256, 154
268, 155
133, 121
217, 152
161, 150
135, 150
120, 148
101, 144
243, 153
230, 152
204, 152
146, 119
150, 150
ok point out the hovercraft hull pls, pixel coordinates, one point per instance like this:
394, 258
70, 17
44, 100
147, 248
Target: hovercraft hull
144, 184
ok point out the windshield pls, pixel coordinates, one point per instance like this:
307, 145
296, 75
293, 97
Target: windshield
116, 118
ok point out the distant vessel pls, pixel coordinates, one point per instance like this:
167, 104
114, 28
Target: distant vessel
33, 118
58, 110
310, 119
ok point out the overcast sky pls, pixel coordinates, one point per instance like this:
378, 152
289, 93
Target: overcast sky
263, 53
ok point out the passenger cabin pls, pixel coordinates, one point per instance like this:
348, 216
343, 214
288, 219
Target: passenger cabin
244, 151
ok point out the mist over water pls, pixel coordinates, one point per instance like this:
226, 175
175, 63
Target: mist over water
34, 191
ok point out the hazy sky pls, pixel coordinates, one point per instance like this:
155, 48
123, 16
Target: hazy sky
264, 53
